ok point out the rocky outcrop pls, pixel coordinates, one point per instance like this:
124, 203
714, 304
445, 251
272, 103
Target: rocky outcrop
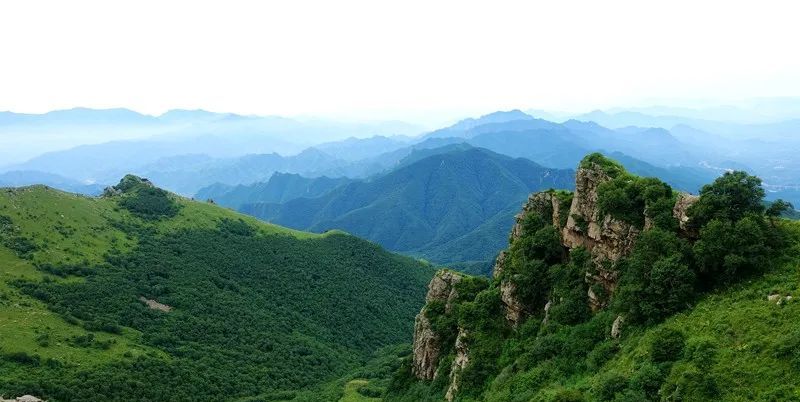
616, 327
126, 184
154, 305
24, 398
681, 209
605, 237
499, 264
459, 363
427, 343
514, 308
443, 287
544, 204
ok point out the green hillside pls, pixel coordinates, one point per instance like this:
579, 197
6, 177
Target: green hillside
141, 295
448, 207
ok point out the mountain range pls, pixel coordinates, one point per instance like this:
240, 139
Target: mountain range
450, 206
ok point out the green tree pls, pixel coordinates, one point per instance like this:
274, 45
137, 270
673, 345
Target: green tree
656, 280
730, 197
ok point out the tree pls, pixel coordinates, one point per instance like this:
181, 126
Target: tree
778, 208
727, 251
730, 197
657, 280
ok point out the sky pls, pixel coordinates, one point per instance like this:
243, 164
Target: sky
392, 59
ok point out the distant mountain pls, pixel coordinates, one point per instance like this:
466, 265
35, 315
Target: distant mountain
26, 136
563, 145
467, 128
354, 149
248, 169
449, 207
20, 178
280, 188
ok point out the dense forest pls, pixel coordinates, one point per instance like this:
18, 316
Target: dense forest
692, 306
186, 300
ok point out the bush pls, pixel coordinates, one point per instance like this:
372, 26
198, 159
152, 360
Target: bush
687, 383
628, 197
667, 345
647, 380
601, 354
149, 203
728, 251
609, 385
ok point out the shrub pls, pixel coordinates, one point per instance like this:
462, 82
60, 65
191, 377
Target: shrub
149, 203
647, 380
667, 345
687, 383
609, 385
601, 354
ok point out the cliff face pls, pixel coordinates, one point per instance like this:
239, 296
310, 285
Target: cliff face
579, 222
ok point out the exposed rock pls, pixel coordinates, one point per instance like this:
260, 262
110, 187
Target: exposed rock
426, 348
155, 305
515, 309
616, 327
606, 238
547, 312
24, 398
459, 363
443, 287
499, 264
681, 208
778, 299
427, 343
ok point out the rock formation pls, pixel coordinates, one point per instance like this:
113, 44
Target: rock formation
427, 343
580, 223
459, 363
680, 211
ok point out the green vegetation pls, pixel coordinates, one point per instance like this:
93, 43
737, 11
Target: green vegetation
248, 310
698, 324
632, 199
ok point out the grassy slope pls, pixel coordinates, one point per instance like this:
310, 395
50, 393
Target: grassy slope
72, 229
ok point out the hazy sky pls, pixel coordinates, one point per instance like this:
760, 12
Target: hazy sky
391, 59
